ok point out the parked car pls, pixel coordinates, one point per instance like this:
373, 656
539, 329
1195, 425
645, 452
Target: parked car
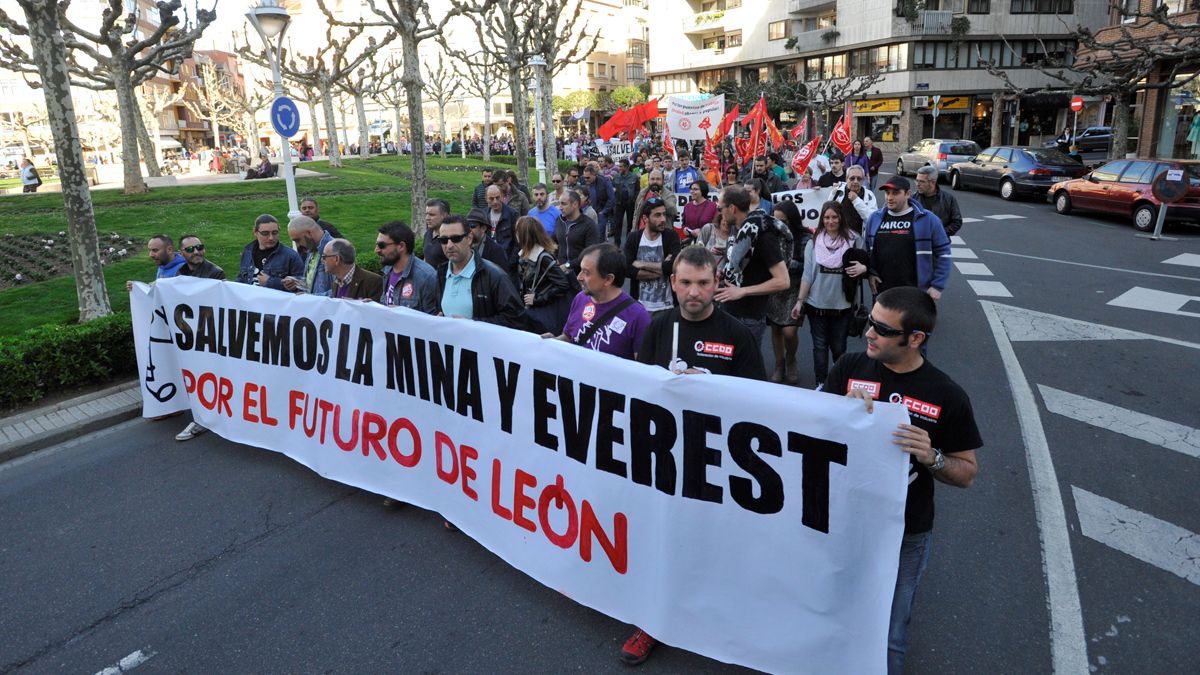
1123, 187
938, 152
1091, 139
1015, 171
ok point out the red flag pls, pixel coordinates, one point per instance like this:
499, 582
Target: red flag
710, 152
841, 135
744, 150
616, 124
640, 114
668, 144
773, 132
756, 113
726, 124
804, 155
802, 130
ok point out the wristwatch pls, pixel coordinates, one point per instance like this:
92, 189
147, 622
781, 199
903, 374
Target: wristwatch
939, 461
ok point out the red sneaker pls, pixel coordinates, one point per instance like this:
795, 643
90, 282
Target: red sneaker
637, 648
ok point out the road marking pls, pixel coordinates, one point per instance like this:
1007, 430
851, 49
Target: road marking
978, 269
972, 220
1068, 644
1126, 422
957, 240
1026, 325
1188, 259
1004, 216
1157, 542
1155, 301
963, 254
128, 663
1098, 267
992, 289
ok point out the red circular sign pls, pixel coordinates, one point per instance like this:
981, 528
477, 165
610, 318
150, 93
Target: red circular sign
1076, 104
1168, 191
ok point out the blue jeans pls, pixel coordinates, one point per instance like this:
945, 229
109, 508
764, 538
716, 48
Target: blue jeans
914, 556
828, 335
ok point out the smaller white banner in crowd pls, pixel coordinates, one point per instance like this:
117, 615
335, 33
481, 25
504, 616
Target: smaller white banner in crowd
616, 149
754, 523
688, 119
807, 201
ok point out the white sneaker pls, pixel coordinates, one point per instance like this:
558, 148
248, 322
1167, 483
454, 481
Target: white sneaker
189, 432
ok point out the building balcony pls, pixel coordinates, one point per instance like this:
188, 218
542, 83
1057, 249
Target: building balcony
804, 6
193, 125
815, 40
929, 22
704, 22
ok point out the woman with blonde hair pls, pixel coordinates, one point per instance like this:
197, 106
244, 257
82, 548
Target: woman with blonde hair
544, 286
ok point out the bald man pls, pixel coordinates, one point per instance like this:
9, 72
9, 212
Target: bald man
502, 221
306, 233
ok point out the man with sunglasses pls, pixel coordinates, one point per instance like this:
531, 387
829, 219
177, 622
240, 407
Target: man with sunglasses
471, 287
941, 439
266, 263
197, 265
408, 281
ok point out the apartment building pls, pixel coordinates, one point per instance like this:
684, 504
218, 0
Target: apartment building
919, 48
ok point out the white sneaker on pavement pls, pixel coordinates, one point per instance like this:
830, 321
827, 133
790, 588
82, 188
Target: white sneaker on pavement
189, 432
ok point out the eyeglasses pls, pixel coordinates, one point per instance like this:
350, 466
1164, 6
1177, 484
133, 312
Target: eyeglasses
193, 249
384, 244
269, 233
450, 238
884, 330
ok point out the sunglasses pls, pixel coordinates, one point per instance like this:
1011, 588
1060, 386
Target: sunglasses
450, 238
382, 244
556, 181
193, 249
884, 330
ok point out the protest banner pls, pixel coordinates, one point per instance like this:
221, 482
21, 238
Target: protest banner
754, 523
618, 150
688, 119
807, 201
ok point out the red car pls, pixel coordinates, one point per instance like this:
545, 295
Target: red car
1123, 187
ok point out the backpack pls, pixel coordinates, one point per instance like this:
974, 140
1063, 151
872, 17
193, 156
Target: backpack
36, 176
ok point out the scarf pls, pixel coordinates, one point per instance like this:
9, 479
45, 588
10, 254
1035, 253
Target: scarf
740, 247
829, 251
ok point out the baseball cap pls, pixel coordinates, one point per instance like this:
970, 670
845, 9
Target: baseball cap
478, 217
896, 183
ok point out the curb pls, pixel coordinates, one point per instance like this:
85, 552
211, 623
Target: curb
32, 430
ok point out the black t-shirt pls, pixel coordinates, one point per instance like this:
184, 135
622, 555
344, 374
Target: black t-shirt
719, 344
894, 252
935, 403
827, 179
765, 256
260, 255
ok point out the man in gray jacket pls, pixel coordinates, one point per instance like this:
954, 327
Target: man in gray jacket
939, 202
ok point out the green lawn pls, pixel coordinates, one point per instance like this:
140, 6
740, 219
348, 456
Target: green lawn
358, 198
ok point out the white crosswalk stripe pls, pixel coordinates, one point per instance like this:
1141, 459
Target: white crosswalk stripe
963, 254
957, 240
976, 269
993, 289
1155, 301
1002, 216
1131, 423
972, 220
1187, 259
1151, 540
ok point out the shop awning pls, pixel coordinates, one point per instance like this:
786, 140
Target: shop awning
168, 143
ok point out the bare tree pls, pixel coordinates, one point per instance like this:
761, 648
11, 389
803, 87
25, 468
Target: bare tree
358, 85
820, 97
442, 85
99, 122
412, 23
247, 106
116, 57
1146, 51
478, 72
155, 101
388, 91
213, 99
32, 126
311, 94
560, 39
49, 55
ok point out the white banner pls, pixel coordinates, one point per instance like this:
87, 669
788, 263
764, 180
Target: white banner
688, 119
617, 149
807, 201
758, 524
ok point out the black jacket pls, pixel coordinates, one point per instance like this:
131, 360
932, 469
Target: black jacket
945, 206
494, 299
573, 239
671, 247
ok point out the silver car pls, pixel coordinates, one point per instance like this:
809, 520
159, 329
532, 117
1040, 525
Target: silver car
941, 153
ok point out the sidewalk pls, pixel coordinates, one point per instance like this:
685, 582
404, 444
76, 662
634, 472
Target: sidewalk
32, 430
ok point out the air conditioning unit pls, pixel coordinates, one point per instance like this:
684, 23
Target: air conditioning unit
920, 101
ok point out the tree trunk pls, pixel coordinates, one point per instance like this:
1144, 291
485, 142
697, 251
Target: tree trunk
549, 147
520, 122
411, 80
315, 125
487, 128
364, 132
148, 144
345, 127
1120, 126
442, 126
997, 119
396, 132
251, 129
126, 104
335, 156
50, 55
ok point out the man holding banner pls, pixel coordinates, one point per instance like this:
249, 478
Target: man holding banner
941, 439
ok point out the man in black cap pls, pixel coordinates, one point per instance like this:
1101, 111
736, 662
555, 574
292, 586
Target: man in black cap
907, 244
481, 241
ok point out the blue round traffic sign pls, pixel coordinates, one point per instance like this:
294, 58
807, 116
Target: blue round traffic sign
285, 116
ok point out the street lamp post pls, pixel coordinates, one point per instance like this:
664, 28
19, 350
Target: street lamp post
271, 21
537, 62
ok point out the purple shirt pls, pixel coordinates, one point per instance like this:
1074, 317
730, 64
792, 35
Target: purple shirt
621, 336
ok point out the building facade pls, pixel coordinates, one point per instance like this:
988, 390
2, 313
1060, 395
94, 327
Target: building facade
919, 48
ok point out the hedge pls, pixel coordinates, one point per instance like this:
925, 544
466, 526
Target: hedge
50, 358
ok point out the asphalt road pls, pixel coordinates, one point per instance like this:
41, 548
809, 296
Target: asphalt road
1074, 548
